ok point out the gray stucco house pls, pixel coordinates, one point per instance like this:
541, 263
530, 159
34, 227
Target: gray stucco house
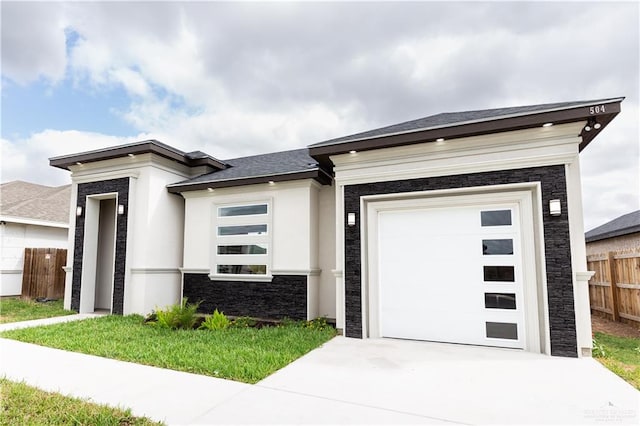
461, 227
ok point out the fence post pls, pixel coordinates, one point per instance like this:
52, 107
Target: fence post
614, 286
26, 273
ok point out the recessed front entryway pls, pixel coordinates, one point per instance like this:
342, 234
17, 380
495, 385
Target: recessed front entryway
99, 253
452, 269
100, 246
106, 254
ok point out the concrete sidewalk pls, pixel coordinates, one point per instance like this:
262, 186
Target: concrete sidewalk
46, 321
348, 381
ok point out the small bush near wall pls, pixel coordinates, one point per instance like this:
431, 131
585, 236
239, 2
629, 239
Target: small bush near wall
179, 316
243, 322
184, 316
216, 321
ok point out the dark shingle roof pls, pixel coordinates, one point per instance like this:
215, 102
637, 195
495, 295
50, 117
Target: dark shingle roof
455, 118
275, 166
623, 225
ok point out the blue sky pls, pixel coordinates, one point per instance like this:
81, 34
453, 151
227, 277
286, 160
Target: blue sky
235, 79
38, 106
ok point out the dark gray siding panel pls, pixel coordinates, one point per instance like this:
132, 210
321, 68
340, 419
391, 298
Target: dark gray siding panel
284, 296
556, 234
121, 186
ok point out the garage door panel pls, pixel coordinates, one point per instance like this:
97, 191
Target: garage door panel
433, 284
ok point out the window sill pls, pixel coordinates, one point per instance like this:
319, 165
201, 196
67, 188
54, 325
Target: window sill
230, 277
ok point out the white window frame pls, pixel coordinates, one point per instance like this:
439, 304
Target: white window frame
224, 240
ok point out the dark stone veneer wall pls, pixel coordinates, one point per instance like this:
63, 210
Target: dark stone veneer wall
121, 186
556, 236
284, 296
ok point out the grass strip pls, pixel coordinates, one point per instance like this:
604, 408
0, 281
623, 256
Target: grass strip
621, 356
242, 354
21, 404
15, 309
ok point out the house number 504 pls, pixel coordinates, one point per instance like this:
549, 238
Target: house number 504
596, 109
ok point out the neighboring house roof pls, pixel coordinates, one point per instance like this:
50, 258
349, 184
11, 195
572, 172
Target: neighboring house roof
191, 159
472, 123
278, 166
623, 225
26, 202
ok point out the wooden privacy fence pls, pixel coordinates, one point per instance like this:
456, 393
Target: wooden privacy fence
42, 275
615, 288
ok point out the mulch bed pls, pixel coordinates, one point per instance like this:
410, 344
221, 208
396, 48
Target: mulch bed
603, 325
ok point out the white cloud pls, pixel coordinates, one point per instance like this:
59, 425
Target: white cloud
34, 50
610, 168
235, 79
28, 159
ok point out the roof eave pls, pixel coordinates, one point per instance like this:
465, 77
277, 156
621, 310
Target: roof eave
145, 147
477, 128
33, 221
317, 174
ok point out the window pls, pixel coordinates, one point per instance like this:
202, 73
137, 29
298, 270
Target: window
242, 241
499, 273
491, 247
500, 300
242, 230
242, 210
244, 249
502, 330
495, 218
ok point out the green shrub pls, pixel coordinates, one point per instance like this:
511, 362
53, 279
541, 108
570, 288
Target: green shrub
598, 350
314, 324
318, 324
243, 322
178, 316
216, 321
288, 322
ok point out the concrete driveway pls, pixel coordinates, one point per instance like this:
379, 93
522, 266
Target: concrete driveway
436, 383
349, 381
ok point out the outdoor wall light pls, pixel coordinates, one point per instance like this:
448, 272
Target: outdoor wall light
440, 140
120, 209
353, 151
592, 124
554, 208
79, 211
351, 219
547, 125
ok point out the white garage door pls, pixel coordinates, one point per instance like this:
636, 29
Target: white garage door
452, 275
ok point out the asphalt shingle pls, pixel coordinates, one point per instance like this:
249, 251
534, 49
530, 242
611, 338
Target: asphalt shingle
33, 201
271, 164
453, 119
623, 225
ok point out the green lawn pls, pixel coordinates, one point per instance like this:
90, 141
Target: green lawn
15, 309
24, 405
242, 354
621, 355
